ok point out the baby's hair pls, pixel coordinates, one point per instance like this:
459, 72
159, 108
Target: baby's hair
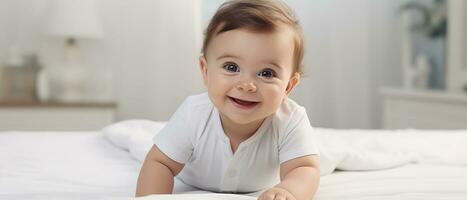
256, 15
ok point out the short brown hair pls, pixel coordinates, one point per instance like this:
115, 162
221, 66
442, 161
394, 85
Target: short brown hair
257, 15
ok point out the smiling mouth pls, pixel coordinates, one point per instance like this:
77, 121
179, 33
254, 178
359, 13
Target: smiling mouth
243, 103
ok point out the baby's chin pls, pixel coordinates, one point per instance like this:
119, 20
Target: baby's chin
245, 120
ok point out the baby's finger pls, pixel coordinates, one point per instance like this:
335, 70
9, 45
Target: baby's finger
290, 197
267, 196
280, 197
261, 197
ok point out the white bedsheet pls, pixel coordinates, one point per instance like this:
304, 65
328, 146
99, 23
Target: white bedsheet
85, 165
409, 182
64, 165
413, 181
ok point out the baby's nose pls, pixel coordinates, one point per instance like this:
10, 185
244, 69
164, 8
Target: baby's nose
247, 86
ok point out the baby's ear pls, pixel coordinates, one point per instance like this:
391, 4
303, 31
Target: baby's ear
203, 68
293, 82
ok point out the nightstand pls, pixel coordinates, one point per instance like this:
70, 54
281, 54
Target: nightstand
424, 109
52, 116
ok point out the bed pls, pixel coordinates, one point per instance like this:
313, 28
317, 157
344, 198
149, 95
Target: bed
64, 165
356, 164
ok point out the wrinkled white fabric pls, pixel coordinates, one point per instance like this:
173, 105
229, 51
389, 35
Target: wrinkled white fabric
351, 149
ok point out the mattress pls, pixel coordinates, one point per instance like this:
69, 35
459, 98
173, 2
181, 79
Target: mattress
85, 165
409, 182
64, 165
412, 181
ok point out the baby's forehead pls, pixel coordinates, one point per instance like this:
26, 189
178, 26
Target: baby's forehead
277, 28
251, 47
247, 40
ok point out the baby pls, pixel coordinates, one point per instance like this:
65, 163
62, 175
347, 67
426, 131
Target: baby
244, 135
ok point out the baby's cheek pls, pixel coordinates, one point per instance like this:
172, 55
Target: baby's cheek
274, 98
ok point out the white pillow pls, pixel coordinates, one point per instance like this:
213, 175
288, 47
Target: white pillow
140, 145
120, 133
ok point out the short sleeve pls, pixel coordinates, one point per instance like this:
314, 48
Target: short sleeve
298, 139
176, 139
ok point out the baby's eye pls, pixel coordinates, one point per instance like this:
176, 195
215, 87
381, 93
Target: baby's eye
231, 67
267, 73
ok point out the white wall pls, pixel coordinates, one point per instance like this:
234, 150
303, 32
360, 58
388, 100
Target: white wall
3, 24
4, 37
152, 48
352, 50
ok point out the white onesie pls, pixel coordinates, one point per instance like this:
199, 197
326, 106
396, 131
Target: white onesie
194, 136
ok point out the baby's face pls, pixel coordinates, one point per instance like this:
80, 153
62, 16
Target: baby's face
248, 74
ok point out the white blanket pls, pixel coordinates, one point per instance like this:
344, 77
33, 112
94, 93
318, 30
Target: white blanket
350, 150
381, 149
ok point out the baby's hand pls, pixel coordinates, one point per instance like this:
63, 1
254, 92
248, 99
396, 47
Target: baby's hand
276, 193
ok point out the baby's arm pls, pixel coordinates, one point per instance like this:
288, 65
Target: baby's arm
299, 180
157, 174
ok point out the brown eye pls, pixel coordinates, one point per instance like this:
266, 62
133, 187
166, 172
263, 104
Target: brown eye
231, 67
267, 73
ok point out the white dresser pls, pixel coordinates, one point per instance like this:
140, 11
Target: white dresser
423, 109
34, 116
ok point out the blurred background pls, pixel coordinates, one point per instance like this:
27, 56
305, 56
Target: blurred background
72, 65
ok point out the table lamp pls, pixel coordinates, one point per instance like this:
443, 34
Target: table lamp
71, 20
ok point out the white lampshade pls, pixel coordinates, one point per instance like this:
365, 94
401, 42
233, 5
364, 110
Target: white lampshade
73, 19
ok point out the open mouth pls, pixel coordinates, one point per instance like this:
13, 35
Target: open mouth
243, 103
